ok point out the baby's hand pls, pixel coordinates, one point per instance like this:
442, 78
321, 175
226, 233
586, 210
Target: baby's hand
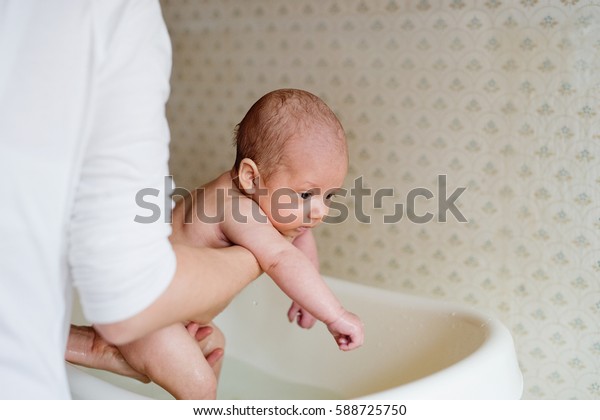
348, 331
304, 319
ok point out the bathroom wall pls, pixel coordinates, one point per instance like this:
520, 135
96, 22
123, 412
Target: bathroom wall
501, 96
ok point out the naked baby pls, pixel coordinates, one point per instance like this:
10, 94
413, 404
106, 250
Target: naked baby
291, 159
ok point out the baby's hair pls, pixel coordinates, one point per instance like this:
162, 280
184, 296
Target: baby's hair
274, 119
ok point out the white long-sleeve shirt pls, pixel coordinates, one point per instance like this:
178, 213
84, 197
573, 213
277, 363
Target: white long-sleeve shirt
83, 86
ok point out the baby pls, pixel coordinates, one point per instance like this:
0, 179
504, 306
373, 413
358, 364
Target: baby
291, 159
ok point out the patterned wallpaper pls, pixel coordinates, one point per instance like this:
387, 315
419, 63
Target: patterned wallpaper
501, 96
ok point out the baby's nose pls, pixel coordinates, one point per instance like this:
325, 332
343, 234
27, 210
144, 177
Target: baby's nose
318, 209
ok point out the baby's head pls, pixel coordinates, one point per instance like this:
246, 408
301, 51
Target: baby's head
289, 143
282, 119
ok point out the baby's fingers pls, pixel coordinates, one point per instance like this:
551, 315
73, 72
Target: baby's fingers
293, 312
306, 320
345, 343
348, 331
342, 342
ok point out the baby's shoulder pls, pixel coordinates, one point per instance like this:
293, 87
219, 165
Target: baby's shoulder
222, 198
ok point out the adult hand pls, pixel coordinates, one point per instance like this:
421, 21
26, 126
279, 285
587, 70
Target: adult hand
85, 347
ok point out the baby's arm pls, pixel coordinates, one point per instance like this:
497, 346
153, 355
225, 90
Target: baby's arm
307, 244
295, 275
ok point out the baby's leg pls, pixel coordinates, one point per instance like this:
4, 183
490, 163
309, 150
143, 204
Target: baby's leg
172, 358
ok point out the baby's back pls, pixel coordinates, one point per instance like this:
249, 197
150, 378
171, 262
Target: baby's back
197, 219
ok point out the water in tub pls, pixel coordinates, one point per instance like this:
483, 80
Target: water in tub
239, 381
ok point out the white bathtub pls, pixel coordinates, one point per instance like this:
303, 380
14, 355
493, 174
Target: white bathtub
414, 348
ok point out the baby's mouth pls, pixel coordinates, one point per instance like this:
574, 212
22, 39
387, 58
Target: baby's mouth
305, 228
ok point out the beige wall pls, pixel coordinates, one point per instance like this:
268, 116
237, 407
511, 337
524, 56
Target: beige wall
501, 96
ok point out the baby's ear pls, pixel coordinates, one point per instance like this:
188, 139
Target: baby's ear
248, 175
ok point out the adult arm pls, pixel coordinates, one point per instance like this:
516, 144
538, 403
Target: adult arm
205, 281
130, 278
85, 347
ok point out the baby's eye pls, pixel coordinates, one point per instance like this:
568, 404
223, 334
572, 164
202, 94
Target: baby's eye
330, 196
306, 195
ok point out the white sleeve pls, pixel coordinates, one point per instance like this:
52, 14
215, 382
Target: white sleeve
118, 265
